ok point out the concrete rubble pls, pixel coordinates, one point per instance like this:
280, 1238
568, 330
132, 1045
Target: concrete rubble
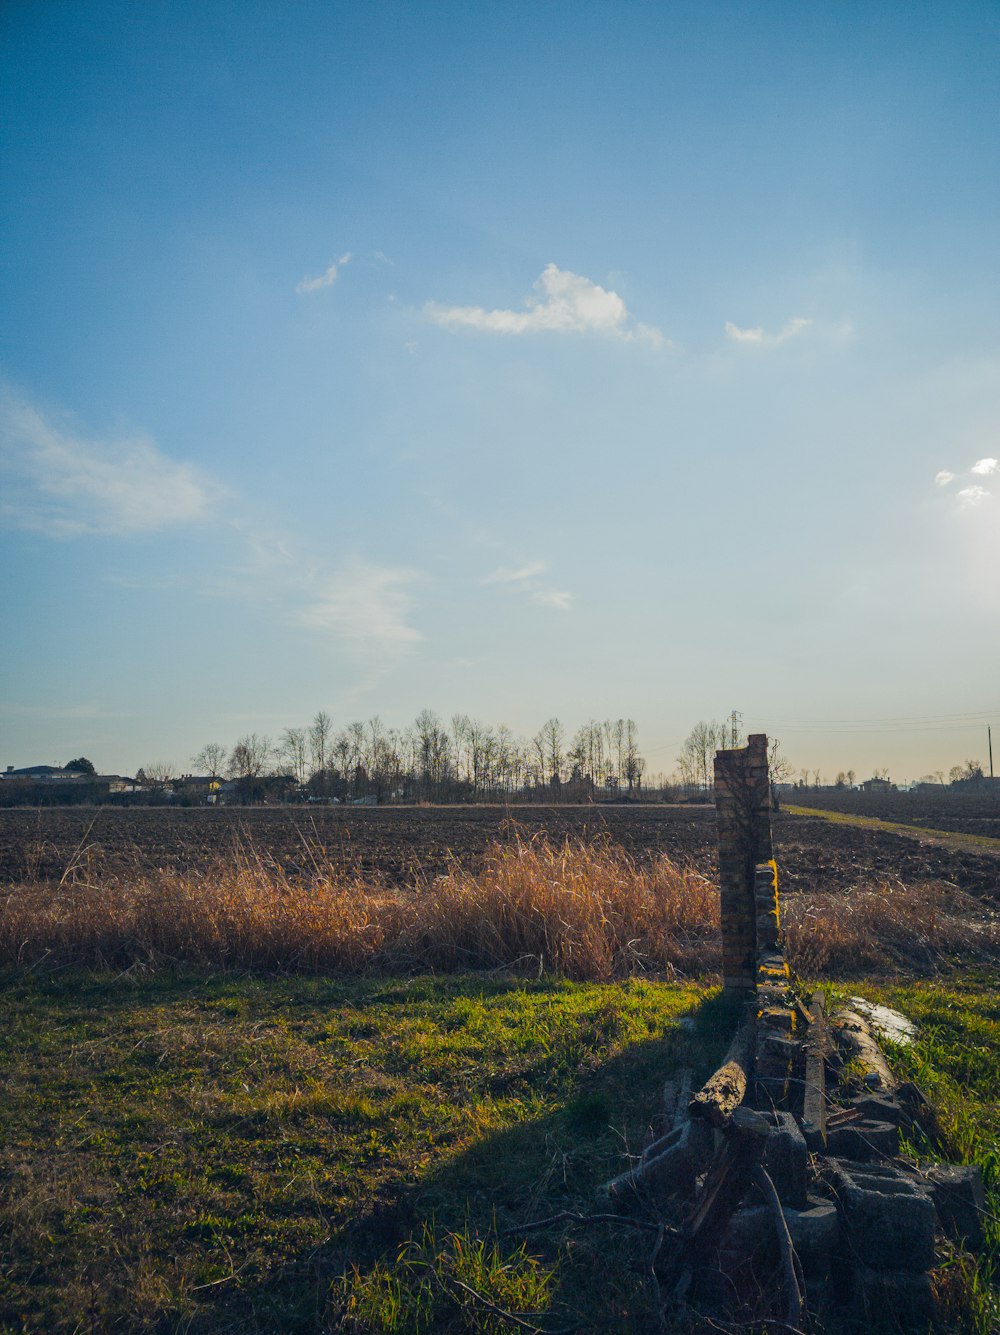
784, 1172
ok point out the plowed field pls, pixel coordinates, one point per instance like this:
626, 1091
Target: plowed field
398, 843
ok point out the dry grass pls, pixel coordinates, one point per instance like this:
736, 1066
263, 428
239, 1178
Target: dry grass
887, 928
587, 911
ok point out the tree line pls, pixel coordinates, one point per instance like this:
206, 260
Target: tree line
431, 760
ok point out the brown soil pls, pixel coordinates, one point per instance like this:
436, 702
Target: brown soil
397, 843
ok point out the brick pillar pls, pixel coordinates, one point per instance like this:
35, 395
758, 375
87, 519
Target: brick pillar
743, 813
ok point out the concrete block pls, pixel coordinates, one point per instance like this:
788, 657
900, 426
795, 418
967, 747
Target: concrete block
957, 1193
786, 1160
771, 995
786, 1050
888, 1218
750, 1235
864, 1142
777, 1018
878, 1108
814, 1231
903, 1296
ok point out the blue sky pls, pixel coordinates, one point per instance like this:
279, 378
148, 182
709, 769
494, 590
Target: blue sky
517, 359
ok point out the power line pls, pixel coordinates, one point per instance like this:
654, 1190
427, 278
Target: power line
980, 715
964, 721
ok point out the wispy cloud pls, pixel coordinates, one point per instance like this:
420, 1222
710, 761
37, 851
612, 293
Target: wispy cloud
326, 279
365, 606
795, 326
527, 580
739, 335
515, 575
557, 598
64, 486
972, 496
563, 302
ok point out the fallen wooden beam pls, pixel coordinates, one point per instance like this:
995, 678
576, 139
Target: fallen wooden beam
668, 1167
858, 1044
814, 1100
723, 1092
729, 1177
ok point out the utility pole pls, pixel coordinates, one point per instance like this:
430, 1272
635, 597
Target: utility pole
734, 728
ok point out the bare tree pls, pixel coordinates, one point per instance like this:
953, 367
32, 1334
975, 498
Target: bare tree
249, 761
697, 755
634, 763
320, 736
779, 767
211, 759
293, 750
549, 745
160, 771
434, 752
618, 738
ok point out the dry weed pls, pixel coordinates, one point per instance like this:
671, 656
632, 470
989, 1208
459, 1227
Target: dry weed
588, 911
886, 928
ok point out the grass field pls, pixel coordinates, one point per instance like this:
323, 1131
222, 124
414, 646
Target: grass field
248, 1101
188, 1152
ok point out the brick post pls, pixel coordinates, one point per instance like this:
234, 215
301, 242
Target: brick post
743, 807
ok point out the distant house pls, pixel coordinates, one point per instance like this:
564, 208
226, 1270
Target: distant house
877, 786
44, 773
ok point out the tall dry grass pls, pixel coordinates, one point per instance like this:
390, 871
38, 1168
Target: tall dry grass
586, 911
886, 928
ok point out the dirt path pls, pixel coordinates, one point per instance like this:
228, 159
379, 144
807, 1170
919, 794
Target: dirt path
959, 843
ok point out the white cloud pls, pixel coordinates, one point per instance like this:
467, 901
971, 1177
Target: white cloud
526, 580
971, 496
365, 606
557, 598
566, 303
739, 335
64, 486
326, 279
795, 326
517, 575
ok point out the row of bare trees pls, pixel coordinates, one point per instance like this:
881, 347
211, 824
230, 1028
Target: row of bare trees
463, 760
695, 764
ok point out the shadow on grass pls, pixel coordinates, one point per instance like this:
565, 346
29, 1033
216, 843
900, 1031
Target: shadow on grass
514, 1168
379, 1268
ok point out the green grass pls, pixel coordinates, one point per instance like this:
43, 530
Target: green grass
953, 837
956, 1062
185, 1152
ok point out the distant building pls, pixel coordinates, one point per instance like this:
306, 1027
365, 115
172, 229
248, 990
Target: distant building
45, 773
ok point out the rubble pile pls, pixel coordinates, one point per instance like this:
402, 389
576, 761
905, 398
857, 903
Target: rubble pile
781, 1181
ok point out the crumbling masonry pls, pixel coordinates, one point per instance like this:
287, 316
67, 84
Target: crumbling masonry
782, 1175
